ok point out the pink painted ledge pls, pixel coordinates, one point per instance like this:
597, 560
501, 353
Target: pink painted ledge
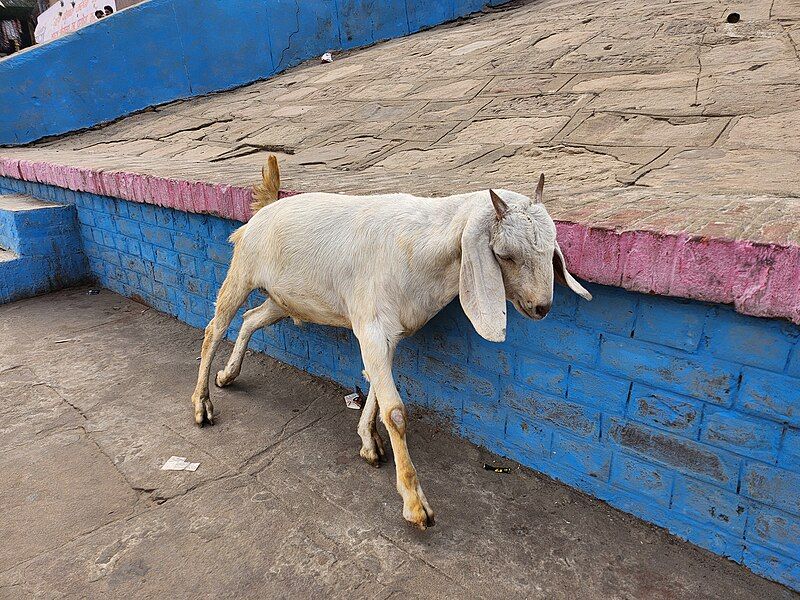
758, 279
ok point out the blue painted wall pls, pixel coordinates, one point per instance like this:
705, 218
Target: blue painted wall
682, 413
48, 251
162, 50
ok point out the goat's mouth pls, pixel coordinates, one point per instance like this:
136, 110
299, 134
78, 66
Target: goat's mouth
525, 312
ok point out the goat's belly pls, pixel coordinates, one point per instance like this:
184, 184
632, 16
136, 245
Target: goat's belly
311, 310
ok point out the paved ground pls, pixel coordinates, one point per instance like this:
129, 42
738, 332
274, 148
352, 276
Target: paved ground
655, 115
95, 392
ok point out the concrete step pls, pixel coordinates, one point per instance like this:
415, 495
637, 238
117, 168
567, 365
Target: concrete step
33, 227
40, 247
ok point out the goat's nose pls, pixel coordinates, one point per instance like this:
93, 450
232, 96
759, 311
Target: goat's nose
542, 310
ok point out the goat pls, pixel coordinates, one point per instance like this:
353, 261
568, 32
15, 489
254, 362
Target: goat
383, 266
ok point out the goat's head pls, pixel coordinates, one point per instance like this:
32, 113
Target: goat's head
511, 253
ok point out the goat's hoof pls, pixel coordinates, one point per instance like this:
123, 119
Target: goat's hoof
419, 515
371, 456
203, 412
221, 381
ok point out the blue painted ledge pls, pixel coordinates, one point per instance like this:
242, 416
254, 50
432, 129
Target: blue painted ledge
163, 50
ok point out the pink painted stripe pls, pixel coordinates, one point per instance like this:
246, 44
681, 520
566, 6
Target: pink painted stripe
758, 279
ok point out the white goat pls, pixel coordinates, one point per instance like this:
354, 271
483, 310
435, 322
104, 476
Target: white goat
384, 266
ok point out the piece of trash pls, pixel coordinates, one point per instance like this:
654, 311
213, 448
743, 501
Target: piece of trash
496, 469
92, 292
179, 463
66, 340
355, 400
327, 57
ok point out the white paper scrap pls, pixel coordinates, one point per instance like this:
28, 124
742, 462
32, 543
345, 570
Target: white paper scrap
353, 401
179, 463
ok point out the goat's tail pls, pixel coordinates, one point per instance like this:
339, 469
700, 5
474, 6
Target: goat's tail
266, 192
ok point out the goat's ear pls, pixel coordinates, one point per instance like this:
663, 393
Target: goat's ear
537, 198
500, 206
480, 284
564, 277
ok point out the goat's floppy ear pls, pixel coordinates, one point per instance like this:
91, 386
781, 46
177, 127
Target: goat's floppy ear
480, 284
564, 277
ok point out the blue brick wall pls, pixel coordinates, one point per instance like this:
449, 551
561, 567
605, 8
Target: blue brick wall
682, 413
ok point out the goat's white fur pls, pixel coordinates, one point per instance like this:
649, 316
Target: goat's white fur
383, 266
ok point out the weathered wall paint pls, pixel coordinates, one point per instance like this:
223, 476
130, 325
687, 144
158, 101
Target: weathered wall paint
758, 279
683, 413
162, 50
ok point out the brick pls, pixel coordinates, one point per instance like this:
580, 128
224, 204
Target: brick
577, 418
198, 226
147, 251
556, 338
296, 342
709, 504
166, 276
773, 486
641, 477
774, 529
156, 235
219, 252
527, 440
706, 462
790, 452
773, 396
670, 322
199, 287
458, 377
492, 357
446, 402
444, 342
187, 245
542, 374
483, 420
741, 433
772, 565
794, 363
581, 455
610, 310
667, 411
764, 343
129, 228
221, 229
606, 392
709, 380
167, 258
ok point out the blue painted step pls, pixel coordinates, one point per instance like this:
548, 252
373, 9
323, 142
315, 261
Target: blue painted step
40, 247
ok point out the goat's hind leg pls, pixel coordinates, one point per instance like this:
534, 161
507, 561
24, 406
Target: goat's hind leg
232, 294
264, 315
372, 449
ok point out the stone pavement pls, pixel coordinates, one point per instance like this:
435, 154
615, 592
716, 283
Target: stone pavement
95, 392
644, 115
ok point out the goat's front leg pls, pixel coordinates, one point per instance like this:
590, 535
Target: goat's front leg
377, 351
372, 449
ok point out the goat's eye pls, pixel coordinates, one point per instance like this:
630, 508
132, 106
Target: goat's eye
505, 258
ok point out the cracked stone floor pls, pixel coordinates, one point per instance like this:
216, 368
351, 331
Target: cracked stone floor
655, 115
95, 398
